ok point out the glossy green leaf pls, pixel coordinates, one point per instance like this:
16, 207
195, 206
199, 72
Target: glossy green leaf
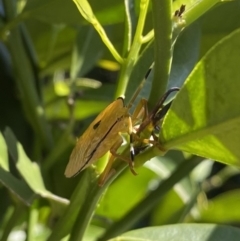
205, 116
183, 232
223, 208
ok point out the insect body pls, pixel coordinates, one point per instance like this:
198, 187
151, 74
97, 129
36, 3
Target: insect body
102, 135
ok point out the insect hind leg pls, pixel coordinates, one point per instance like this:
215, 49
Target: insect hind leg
109, 171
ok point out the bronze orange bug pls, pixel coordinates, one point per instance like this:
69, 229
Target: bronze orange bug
151, 124
103, 134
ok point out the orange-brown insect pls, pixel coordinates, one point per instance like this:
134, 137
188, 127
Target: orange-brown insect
101, 136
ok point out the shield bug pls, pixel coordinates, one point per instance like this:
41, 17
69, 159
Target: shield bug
101, 136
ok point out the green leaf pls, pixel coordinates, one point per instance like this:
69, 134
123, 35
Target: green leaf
137, 188
223, 208
86, 11
19, 188
64, 11
29, 170
87, 50
183, 232
194, 8
92, 232
174, 206
168, 209
215, 27
185, 55
205, 116
146, 204
53, 44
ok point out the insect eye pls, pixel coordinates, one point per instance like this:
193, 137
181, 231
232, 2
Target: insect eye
96, 125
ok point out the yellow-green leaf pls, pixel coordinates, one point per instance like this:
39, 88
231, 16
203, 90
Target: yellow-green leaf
205, 116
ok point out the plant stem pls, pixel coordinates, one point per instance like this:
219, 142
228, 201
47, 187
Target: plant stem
129, 63
162, 22
93, 194
129, 13
32, 221
74, 209
86, 11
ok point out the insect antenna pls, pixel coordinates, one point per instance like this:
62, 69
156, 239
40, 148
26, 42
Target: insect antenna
136, 93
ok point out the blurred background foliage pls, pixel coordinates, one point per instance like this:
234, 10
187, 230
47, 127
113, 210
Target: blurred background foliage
50, 54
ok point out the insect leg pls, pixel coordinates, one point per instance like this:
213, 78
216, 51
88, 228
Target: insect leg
132, 152
108, 171
128, 127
